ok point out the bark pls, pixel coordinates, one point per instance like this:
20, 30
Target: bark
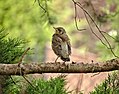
75, 67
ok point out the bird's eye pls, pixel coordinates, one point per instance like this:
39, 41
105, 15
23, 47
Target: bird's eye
59, 30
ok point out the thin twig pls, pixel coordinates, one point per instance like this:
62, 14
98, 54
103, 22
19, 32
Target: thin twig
28, 81
41, 6
79, 4
92, 30
46, 6
108, 35
21, 59
31, 84
12, 79
90, 25
76, 24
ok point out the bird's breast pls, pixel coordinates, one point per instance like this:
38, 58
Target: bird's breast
64, 47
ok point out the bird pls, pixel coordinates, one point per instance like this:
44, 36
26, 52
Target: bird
61, 44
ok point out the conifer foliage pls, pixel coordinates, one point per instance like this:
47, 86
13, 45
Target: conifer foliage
10, 49
109, 86
52, 86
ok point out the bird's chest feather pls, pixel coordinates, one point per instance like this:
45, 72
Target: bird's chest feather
64, 47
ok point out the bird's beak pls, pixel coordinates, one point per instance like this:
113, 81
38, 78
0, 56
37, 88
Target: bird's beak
54, 27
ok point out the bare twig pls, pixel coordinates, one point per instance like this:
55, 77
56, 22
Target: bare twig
79, 4
41, 6
76, 24
101, 32
12, 79
21, 59
93, 31
30, 84
108, 35
47, 11
28, 81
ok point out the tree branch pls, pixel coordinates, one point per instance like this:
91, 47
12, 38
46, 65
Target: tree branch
75, 67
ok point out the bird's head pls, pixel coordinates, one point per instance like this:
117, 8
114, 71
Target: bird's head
59, 30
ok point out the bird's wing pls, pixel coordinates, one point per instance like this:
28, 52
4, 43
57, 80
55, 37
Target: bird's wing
69, 47
66, 38
56, 44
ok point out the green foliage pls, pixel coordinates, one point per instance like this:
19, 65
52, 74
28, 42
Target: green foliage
10, 49
109, 86
106, 53
113, 23
12, 88
25, 19
39, 86
52, 86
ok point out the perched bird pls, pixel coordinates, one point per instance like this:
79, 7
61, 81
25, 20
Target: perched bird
61, 44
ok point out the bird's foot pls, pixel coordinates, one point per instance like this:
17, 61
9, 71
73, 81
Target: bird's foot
57, 62
64, 63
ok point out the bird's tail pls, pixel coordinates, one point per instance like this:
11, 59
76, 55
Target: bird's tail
65, 59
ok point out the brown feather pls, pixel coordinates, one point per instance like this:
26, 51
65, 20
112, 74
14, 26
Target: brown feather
61, 46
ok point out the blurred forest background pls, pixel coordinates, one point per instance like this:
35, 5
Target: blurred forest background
28, 21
